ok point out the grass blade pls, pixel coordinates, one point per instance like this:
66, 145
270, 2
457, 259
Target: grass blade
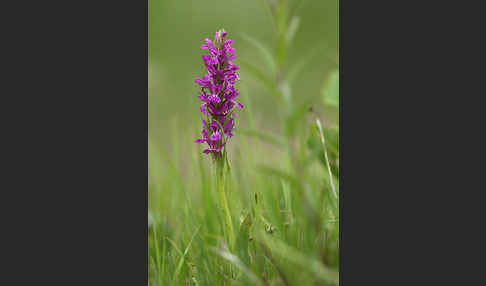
181, 260
292, 29
307, 263
330, 91
264, 51
298, 67
239, 264
261, 77
327, 159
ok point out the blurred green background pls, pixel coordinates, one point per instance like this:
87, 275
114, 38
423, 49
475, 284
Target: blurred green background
176, 29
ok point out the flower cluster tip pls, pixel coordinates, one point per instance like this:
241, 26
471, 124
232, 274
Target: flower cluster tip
218, 93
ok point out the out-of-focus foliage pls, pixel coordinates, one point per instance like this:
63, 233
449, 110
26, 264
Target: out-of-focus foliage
176, 30
330, 91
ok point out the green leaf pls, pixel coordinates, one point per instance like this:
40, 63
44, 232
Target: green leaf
261, 77
286, 91
330, 91
298, 67
268, 10
292, 29
294, 117
264, 51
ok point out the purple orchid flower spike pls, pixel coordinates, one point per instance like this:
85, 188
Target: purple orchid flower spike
218, 93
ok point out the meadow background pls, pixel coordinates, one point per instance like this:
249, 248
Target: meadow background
280, 191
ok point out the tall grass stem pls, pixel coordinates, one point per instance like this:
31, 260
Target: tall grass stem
325, 155
221, 185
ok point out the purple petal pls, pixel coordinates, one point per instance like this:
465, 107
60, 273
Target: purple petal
216, 136
202, 97
214, 99
214, 126
239, 105
205, 133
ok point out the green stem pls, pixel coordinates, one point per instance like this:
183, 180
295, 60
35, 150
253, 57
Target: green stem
223, 201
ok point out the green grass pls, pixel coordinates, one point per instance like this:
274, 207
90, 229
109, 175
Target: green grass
286, 218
